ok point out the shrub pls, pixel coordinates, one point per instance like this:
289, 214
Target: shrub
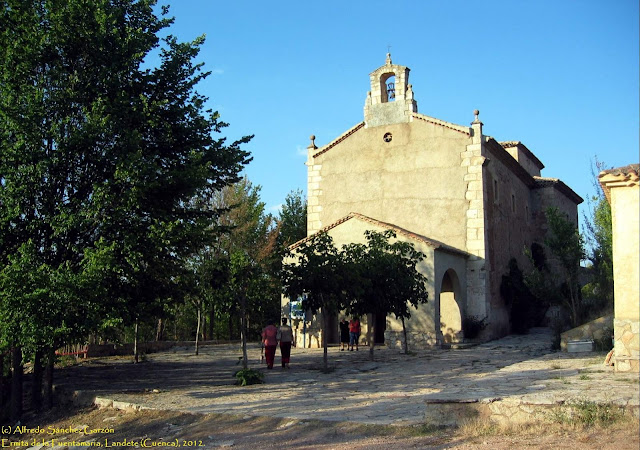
472, 326
604, 344
245, 377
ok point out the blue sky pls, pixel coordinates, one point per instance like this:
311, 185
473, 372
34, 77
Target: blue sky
560, 76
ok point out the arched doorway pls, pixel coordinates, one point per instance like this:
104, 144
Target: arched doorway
450, 314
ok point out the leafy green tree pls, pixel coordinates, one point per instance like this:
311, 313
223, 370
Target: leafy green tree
599, 243
318, 274
388, 281
292, 220
567, 245
249, 232
100, 159
517, 295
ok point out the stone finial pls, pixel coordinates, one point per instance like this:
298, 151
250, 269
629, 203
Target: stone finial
476, 128
389, 59
312, 144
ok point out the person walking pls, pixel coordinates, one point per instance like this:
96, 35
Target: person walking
354, 333
270, 342
285, 336
344, 334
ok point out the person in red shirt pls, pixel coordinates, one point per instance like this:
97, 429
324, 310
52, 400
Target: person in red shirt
354, 333
270, 343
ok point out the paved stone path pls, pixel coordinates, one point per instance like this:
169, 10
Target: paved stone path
393, 389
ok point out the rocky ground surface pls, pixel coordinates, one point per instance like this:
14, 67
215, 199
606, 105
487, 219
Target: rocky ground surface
394, 401
147, 428
394, 389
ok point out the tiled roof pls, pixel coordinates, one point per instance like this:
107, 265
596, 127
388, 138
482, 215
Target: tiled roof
436, 245
530, 155
630, 170
556, 183
339, 139
620, 176
442, 123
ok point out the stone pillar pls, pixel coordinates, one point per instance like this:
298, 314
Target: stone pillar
313, 190
622, 189
477, 282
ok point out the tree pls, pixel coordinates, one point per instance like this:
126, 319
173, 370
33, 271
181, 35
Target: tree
249, 232
318, 274
599, 240
388, 281
292, 221
567, 245
100, 159
517, 295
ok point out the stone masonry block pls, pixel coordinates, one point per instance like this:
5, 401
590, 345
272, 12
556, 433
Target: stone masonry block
476, 244
470, 177
470, 195
474, 186
474, 169
475, 223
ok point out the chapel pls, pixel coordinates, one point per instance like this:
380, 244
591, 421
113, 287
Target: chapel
469, 202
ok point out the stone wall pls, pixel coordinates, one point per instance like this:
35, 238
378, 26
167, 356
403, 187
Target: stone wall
627, 351
417, 339
599, 329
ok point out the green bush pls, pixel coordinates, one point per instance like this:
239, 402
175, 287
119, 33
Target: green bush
604, 344
472, 326
245, 377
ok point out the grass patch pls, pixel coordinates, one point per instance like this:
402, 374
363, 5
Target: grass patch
585, 377
588, 414
629, 380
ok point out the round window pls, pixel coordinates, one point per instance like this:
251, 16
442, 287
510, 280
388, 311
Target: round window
387, 137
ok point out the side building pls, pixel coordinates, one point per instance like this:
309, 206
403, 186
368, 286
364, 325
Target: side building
468, 201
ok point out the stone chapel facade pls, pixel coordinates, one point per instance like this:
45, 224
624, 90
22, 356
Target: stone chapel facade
467, 201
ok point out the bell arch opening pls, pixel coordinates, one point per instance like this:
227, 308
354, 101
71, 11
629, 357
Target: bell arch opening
388, 87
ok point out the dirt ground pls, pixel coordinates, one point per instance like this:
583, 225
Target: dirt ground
147, 428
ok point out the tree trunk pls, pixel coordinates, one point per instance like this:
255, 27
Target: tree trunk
243, 322
212, 316
230, 327
325, 345
160, 330
16, 384
406, 343
3, 399
36, 381
370, 335
198, 329
135, 342
48, 378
